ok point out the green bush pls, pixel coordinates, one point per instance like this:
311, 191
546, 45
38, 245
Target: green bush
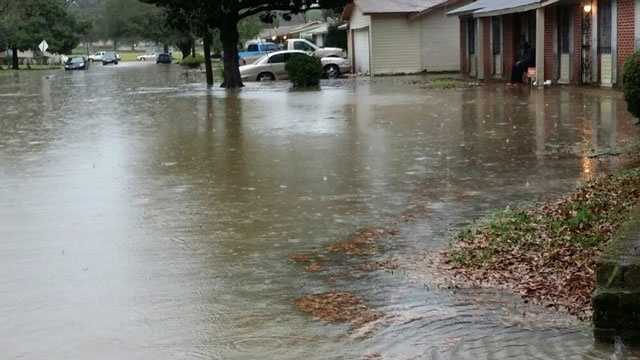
192, 62
304, 70
631, 84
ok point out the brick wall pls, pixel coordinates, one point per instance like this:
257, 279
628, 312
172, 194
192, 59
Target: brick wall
550, 61
487, 53
576, 56
508, 50
626, 16
464, 65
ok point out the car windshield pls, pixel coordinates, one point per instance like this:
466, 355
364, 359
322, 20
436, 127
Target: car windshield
75, 60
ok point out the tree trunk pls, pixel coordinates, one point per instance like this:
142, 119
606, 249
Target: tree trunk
166, 48
229, 36
14, 63
206, 39
193, 48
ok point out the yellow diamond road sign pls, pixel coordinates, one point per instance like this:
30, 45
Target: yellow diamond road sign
43, 46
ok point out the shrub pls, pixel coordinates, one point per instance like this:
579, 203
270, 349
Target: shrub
192, 62
631, 84
304, 70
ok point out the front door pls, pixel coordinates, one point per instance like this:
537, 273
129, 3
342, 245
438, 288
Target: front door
496, 45
564, 43
471, 47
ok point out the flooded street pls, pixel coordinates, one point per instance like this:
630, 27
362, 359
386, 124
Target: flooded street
143, 216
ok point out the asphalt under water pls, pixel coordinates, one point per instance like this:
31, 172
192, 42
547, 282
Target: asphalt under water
143, 216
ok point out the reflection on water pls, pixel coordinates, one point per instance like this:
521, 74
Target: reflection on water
143, 216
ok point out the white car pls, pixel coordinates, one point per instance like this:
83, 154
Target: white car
147, 57
97, 57
272, 66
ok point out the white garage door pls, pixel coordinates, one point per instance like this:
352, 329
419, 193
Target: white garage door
361, 50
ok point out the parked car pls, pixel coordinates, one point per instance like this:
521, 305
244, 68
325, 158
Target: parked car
255, 50
97, 57
272, 66
147, 57
109, 57
76, 63
164, 59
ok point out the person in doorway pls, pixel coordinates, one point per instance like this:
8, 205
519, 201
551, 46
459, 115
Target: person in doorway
526, 59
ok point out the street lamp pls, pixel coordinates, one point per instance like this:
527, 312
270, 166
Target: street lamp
587, 8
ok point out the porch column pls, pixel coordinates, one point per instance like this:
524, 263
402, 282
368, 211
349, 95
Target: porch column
540, 46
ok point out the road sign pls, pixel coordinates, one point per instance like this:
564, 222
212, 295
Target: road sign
43, 46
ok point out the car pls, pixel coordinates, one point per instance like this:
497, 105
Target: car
147, 57
313, 49
76, 63
255, 50
272, 66
109, 57
97, 57
164, 59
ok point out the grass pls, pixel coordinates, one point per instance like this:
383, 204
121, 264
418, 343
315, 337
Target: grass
445, 83
548, 252
33, 67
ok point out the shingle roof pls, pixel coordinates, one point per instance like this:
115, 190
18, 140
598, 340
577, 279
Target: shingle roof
396, 6
486, 7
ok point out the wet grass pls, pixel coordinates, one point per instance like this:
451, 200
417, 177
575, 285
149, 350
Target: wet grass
548, 252
7, 69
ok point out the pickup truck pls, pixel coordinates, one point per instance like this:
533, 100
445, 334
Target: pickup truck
256, 50
313, 49
97, 57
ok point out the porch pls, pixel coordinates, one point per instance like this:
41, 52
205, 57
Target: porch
575, 42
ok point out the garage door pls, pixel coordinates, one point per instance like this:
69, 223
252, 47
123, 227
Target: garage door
361, 50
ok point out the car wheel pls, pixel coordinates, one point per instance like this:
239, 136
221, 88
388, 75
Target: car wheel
266, 77
332, 71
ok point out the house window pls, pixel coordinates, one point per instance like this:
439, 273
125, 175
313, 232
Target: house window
471, 36
496, 33
604, 27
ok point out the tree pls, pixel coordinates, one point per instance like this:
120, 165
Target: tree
28, 22
631, 84
225, 15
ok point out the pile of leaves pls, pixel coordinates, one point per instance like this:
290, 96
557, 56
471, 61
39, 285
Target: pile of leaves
547, 253
361, 242
337, 307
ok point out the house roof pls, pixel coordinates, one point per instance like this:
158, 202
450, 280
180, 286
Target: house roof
483, 8
397, 6
372, 7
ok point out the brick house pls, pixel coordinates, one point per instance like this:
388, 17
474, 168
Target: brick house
575, 42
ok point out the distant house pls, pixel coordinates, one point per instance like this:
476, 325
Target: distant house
575, 42
315, 31
402, 36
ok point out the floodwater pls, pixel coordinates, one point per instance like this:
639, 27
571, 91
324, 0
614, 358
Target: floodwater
145, 217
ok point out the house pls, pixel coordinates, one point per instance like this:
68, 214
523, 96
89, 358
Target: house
402, 36
315, 31
574, 42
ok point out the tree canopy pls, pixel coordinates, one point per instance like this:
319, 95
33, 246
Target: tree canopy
225, 15
26, 23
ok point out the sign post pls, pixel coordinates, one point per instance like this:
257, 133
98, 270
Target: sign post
43, 47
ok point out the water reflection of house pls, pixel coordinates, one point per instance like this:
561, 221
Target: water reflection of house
402, 36
575, 42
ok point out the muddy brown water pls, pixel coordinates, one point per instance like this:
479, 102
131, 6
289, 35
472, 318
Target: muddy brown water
145, 217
